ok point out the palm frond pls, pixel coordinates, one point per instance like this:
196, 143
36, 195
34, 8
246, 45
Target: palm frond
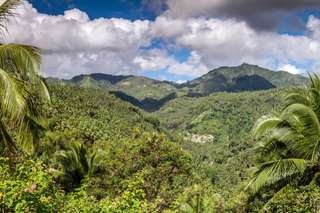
307, 120
315, 81
277, 141
292, 140
298, 97
5, 139
92, 163
28, 134
7, 9
13, 95
273, 172
24, 61
265, 124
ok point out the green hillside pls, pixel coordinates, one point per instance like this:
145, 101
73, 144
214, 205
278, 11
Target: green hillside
238, 139
226, 120
245, 77
159, 161
150, 95
130, 160
93, 118
217, 131
135, 86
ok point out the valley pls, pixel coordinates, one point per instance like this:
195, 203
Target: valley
159, 106
214, 127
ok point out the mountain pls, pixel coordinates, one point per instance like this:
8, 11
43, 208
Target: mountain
150, 95
136, 86
245, 77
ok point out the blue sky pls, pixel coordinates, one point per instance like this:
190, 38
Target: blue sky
128, 9
174, 40
138, 9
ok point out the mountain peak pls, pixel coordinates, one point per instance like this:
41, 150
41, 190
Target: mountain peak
246, 65
245, 77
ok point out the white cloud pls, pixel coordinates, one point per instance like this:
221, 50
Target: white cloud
76, 15
154, 60
167, 27
74, 31
74, 44
159, 59
180, 81
314, 27
291, 69
232, 42
69, 64
192, 67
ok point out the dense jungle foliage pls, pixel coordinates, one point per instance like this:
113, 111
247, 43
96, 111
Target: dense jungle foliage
100, 154
74, 147
101, 151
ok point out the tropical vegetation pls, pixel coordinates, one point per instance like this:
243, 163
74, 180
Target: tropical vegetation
79, 146
21, 90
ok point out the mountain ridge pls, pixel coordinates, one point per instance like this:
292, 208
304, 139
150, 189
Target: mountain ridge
150, 94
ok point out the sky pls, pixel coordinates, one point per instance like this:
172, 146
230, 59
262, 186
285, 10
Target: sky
174, 40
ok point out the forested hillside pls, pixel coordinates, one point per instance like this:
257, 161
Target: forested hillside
234, 139
98, 149
106, 154
98, 153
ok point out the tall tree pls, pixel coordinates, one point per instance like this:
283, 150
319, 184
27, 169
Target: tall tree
290, 147
21, 89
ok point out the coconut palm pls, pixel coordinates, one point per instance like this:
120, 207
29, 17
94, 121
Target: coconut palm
21, 89
76, 163
291, 149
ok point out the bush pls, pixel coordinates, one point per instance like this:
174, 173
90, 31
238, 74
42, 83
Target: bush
28, 188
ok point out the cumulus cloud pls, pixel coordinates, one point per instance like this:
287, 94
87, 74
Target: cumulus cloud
262, 14
74, 31
231, 42
291, 69
74, 44
314, 27
159, 59
153, 60
192, 67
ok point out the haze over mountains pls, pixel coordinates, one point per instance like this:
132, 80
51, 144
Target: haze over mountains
150, 94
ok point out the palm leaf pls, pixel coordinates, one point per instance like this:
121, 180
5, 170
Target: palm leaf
308, 121
298, 97
273, 172
24, 61
5, 139
13, 95
265, 124
6, 11
28, 134
277, 142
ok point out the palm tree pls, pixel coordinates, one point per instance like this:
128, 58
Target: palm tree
21, 89
76, 163
291, 149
